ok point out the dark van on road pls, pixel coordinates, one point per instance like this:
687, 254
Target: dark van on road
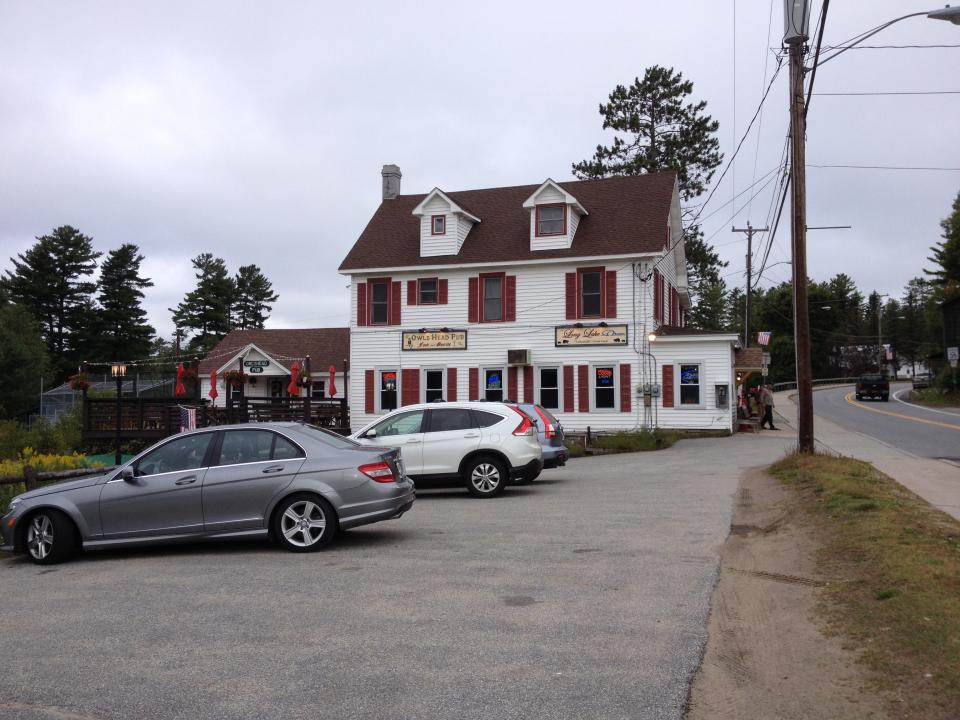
873, 385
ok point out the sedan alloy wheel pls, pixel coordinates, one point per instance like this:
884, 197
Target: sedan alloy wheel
305, 523
40, 537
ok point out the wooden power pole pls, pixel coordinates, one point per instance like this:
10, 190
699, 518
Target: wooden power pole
801, 306
749, 230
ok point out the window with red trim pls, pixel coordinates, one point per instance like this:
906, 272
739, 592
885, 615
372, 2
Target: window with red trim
590, 300
438, 225
551, 220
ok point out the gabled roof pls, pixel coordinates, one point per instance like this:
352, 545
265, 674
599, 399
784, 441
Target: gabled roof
567, 197
628, 215
454, 207
325, 346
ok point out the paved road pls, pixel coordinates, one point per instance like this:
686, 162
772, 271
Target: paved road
927, 432
585, 595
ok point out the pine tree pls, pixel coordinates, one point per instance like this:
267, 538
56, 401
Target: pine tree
946, 254
658, 129
51, 280
122, 329
24, 363
253, 298
710, 311
206, 309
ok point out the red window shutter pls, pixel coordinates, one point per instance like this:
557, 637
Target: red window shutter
451, 383
657, 297
393, 311
583, 388
474, 384
511, 297
368, 390
410, 386
441, 292
473, 303
571, 296
568, 388
626, 391
362, 305
528, 384
666, 392
411, 292
611, 292
513, 391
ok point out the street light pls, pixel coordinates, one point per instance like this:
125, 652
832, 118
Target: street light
119, 371
797, 21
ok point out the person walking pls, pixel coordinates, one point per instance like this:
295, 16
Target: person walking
766, 399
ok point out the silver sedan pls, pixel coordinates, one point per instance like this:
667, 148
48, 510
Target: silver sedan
293, 482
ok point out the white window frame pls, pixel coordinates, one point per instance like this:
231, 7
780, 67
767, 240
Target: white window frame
503, 381
313, 388
536, 385
703, 386
593, 387
423, 382
377, 378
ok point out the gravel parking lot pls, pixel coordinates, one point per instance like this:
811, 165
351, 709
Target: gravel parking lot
584, 595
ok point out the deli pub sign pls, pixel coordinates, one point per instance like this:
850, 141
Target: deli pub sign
434, 340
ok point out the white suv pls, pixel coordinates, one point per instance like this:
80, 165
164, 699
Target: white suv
482, 445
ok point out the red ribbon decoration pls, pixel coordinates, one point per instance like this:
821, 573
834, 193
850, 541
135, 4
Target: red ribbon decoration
331, 386
292, 388
213, 385
179, 390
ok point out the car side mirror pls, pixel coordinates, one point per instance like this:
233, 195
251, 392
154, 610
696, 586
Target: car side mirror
371, 433
127, 474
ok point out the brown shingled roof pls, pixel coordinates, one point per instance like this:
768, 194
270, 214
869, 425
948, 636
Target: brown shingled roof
674, 331
325, 346
626, 215
750, 358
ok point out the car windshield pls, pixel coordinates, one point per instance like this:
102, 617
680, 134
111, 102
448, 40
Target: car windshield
328, 438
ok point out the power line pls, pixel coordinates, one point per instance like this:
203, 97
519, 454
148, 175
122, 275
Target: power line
886, 47
908, 92
766, 62
886, 167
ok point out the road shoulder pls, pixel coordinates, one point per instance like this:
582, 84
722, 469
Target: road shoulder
766, 655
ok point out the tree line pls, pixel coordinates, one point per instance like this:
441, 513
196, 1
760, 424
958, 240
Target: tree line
55, 312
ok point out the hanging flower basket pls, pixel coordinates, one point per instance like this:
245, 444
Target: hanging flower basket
304, 380
234, 378
79, 382
190, 377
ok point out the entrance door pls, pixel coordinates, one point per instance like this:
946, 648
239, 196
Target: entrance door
276, 391
164, 495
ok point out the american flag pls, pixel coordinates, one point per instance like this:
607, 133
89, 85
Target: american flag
763, 338
188, 418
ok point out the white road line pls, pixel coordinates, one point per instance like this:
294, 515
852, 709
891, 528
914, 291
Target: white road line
896, 396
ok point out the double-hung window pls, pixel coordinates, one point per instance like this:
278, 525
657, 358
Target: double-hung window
388, 390
689, 384
433, 384
438, 225
427, 291
551, 219
550, 388
379, 302
591, 293
318, 389
604, 388
492, 298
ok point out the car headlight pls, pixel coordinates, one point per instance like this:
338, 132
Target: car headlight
14, 504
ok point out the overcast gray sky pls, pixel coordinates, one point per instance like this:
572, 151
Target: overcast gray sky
256, 131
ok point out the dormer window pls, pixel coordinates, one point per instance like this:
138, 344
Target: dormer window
551, 220
439, 225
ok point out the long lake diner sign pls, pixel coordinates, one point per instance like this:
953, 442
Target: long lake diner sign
566, 335
434, 340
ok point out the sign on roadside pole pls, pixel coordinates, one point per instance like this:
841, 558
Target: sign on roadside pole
953, 354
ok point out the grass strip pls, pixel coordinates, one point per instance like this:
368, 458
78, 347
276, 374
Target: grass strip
896, 562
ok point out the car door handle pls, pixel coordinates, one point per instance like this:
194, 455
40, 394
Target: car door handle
472, 435
186, 480
411, 442
272, 469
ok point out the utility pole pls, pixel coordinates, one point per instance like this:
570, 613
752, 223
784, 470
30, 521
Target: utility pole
749, 230
797, 19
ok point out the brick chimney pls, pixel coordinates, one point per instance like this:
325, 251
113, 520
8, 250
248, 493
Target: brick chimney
391, 181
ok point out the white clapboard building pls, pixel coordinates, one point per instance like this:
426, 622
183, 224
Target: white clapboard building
544, 293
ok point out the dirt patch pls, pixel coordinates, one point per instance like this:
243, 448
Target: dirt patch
766, 655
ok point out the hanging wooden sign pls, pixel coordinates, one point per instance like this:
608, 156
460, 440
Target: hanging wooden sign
590, 335
434, 340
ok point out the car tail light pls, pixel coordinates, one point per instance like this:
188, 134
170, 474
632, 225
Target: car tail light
525, 426
547, 425
380, 472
